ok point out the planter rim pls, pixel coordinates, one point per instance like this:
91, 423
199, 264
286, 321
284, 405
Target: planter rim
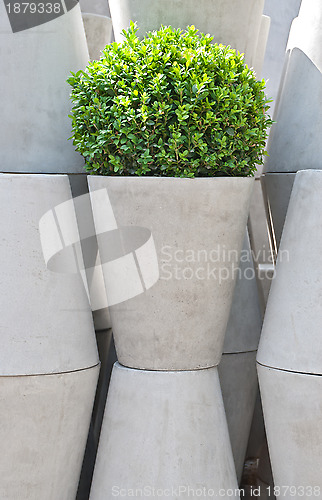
173, 179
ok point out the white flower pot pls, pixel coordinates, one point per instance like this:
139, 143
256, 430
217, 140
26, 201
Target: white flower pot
35, 64
170, 250
164, 430
231, 22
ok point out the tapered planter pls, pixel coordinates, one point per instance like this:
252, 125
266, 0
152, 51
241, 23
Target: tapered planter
98, 31
291, 337
295, 139
231, 22
44, 422
292, 410
170, 251
164, 432
290, 349
48, 358
238, 381
34, 131
237, 369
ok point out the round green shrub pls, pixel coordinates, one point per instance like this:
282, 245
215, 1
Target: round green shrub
173, 104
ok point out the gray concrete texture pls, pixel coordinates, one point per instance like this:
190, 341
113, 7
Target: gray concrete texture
238, 381
278, 189
234, 22
292, 412
35, 64
281, 14
245, 321
98, 31
99, 7
44, 425
295, 139
291, 334
197, 225
46, 318
89, 246
169, 430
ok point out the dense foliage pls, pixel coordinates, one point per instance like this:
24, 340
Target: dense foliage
173, 104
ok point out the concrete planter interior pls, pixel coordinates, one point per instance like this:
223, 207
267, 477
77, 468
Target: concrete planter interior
186, 235
233, 22
34, 131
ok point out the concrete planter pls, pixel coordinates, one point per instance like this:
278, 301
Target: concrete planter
49, 362
44, 421
53, 331
237, 369
34, 131
170, 251
291, 336
261, 44
233, 22
292, 410
289, 355
98, 31
169, 432
95, 6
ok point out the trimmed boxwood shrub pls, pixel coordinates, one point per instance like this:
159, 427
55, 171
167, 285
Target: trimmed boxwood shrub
172, 104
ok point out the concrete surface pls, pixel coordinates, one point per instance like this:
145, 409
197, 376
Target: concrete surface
46, 320
281, 14
306, 31
261, 45
88, 241
35, 64
197, 228
295, 139
235, 23
98, 31
107, 357
291, 334
292, 412
278, 189
163, 430
238, 381
44, 425
245, 321
95, 7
